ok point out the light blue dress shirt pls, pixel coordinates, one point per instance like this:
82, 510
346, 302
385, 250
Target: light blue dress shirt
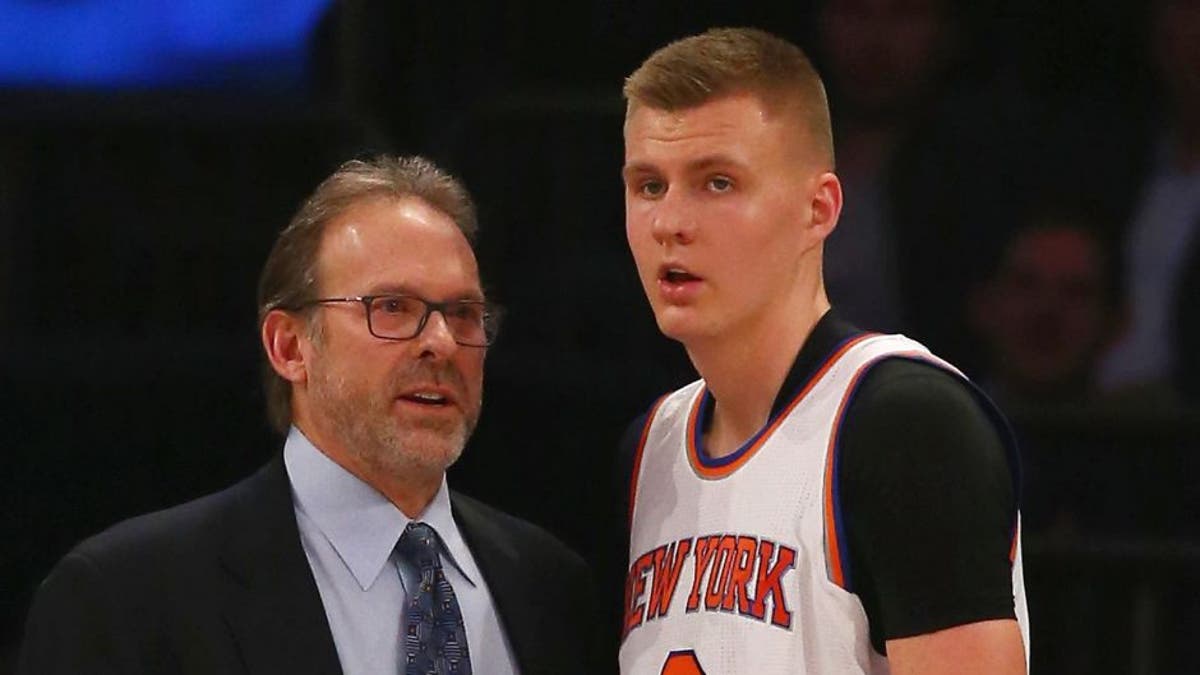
349, 533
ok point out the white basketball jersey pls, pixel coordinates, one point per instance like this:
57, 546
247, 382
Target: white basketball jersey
736, 565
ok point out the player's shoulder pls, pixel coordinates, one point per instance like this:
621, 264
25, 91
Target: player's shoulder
674, 404
914, 382
922, 409
897, 372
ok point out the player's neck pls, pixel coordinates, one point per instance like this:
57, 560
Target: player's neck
744, 373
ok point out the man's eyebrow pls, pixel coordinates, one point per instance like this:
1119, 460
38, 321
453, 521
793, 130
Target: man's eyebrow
698, 164
390, 289
636, 168
401, 289
710, 161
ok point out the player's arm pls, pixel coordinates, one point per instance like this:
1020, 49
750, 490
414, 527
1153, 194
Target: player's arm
929, 502
980, 648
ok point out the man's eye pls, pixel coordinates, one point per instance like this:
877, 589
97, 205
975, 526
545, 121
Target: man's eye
467, 312
396, 305
720, 184
652, 188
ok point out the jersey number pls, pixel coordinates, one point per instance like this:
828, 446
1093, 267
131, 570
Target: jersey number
683, 662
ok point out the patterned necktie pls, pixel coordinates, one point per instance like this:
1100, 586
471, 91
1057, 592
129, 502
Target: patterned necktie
435, 641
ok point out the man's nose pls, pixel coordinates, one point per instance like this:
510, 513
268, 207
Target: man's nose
673, 221
436, 338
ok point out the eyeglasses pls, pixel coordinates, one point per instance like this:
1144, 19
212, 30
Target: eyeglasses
472, 323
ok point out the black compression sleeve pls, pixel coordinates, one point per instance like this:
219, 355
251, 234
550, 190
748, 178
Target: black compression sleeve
928, 501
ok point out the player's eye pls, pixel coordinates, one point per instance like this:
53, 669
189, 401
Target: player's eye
720, 184
652, 188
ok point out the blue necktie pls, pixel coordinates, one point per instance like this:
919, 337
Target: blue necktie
435, 641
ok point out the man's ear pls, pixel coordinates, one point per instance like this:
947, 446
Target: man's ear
283, 338
826, 204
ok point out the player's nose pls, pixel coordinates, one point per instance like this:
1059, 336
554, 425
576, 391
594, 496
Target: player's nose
673, 222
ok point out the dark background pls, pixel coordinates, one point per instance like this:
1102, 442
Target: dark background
134, 221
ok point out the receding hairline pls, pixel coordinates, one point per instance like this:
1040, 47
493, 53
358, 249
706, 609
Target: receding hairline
337, 224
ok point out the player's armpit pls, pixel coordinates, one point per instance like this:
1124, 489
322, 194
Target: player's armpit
983, 648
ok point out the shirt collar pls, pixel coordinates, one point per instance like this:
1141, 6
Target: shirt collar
360, 523
440, 517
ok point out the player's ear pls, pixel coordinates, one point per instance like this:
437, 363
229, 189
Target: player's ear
286, 343
826, 204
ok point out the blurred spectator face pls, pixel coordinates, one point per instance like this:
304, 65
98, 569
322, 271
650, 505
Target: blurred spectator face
883, 55
1047, 314
1177, 51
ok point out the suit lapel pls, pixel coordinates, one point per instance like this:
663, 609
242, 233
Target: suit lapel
507, 580
271, 601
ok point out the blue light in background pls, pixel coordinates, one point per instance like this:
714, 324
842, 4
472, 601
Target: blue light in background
156, 43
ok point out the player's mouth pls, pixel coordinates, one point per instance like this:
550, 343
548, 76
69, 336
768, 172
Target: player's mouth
677, 283
674, 273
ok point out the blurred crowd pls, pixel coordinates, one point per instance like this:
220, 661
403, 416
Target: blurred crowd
1063, 281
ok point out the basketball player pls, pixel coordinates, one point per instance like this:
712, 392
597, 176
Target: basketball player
823, 500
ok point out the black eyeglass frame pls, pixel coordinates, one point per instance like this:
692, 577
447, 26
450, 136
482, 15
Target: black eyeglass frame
491, 314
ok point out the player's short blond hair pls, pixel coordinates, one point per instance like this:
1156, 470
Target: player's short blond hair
725, 61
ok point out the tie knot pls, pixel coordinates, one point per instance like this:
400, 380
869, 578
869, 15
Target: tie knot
419, 544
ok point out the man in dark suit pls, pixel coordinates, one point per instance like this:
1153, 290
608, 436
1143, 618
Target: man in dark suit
347, 552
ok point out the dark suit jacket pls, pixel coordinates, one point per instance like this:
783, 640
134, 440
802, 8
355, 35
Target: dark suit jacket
222, 585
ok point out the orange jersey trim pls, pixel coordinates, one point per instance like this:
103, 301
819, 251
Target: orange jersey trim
835, 535
637, 456
743, 454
